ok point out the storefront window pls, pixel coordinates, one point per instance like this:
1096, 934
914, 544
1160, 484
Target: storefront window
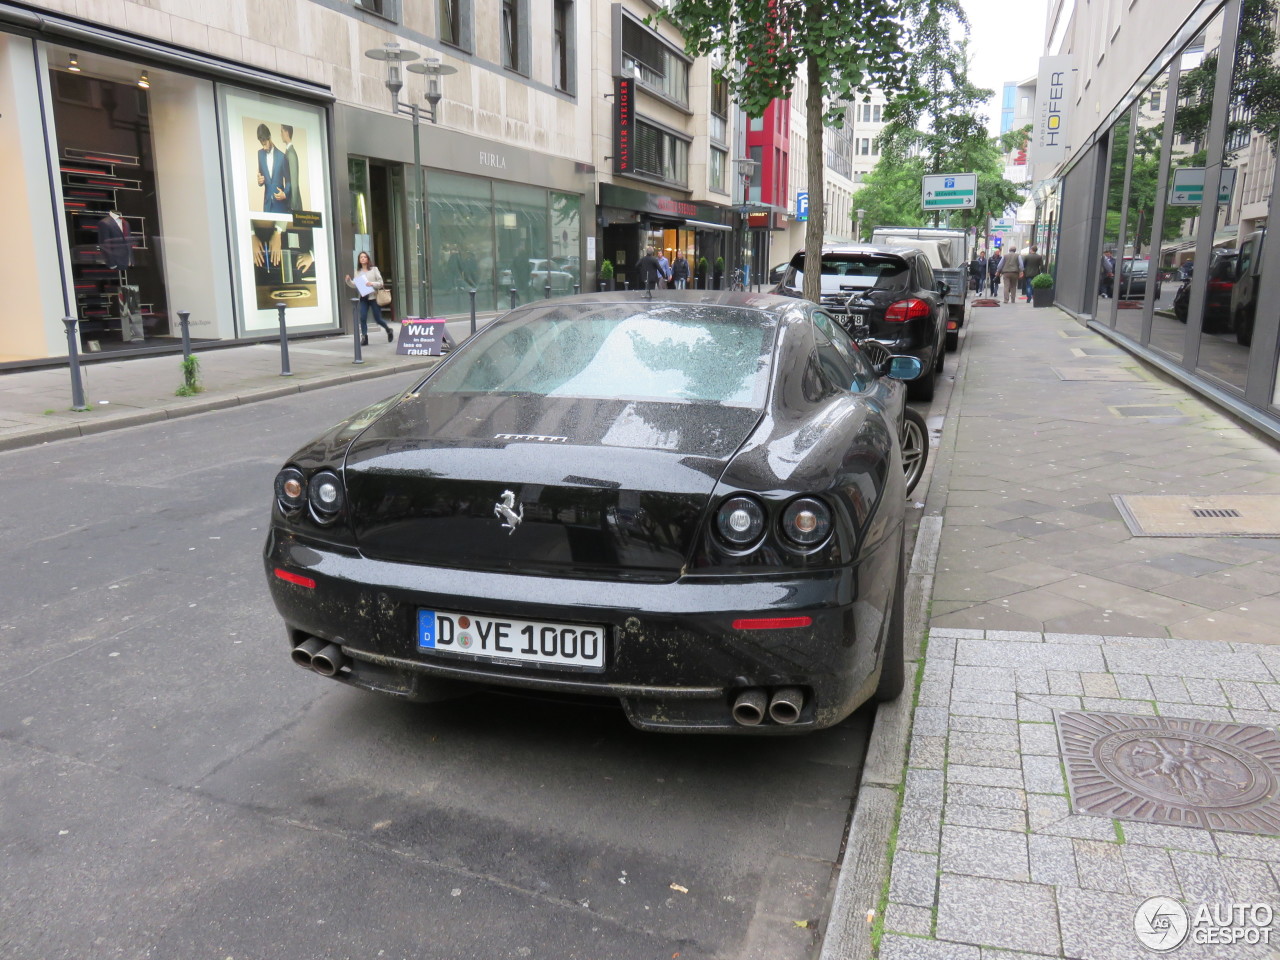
462, 256
1190, 112
1137, 279
1109, 266
1248, 158
566, 233
276, 157
524, 258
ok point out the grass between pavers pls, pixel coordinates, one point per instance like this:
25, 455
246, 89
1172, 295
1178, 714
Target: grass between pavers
882, 902
1119, 831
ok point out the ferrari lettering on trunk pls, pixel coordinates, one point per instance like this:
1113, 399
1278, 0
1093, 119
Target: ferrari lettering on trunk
526, 641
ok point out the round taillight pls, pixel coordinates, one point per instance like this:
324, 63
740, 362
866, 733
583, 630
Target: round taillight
806, 522
290, 488
325, 495
740, 521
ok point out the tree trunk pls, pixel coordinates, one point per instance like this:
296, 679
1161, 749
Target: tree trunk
815, 228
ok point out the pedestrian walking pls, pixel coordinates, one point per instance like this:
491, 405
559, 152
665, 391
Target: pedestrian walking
993, 272
1032, 267
367, 283
664, 271
680, 271
1011, 274
1107, 279
648, 270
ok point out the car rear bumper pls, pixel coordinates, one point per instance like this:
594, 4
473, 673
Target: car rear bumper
673, 657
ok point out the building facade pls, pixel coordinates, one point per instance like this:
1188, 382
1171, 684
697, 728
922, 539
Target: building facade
1158, 194
221, 159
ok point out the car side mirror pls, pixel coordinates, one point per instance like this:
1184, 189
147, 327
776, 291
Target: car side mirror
944, 288
905, 368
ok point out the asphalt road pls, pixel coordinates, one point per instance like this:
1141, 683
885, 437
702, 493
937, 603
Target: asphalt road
172, 786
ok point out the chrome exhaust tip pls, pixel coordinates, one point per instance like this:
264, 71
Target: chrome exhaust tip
786, 705
304, 652
329, 661
749, 707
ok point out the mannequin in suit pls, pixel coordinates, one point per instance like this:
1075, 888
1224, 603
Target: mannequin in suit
115, 242
291, 163
273, 174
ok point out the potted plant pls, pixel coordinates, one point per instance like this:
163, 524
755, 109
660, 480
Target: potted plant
719, 274
701, 282
1042, 290
606, 273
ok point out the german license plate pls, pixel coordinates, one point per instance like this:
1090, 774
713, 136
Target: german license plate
858, 319
520, 641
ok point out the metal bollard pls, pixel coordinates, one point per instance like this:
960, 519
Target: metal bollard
73, 361
546, 291
355, 330
473, 311
515, 298
284, 344
184, 321
626, 284
577, 289
602, 286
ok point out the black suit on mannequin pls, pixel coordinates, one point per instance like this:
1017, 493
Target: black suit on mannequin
117, 247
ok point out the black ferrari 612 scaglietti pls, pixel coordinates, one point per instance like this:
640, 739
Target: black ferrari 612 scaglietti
692, 503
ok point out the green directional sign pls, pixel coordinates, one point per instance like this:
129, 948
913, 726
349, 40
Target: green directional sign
1187, 187
949, 191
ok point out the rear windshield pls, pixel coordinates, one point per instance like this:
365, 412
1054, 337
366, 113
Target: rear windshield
859, 271
674, 352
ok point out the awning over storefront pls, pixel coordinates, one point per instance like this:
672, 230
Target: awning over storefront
707, 225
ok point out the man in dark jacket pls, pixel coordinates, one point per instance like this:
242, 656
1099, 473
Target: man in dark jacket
680, 271
648, 270
1032, 266
977, 271
993, 272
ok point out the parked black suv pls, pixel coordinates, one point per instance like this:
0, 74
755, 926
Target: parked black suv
887, 294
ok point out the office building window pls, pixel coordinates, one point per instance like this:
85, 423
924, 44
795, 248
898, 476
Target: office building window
719, 112
455, 22
715, 169
876, 115
562, 56
383, 8
515, 39
655, 64
660, 154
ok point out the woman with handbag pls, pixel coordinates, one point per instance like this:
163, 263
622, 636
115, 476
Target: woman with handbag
368, 278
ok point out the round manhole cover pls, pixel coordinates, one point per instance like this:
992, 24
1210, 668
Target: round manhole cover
1225, 776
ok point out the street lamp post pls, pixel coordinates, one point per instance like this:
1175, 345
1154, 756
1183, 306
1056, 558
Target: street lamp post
858, 229
433, 69
747, 171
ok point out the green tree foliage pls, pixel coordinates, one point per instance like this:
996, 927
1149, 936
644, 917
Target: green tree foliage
890, 194
842, 48
1255, 86
940, 120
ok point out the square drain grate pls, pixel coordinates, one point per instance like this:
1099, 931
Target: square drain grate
1190, 773
1242, 515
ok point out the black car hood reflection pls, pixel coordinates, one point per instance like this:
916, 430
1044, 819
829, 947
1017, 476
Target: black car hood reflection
623, 492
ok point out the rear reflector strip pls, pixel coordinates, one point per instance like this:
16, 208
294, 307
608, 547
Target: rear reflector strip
773, 623
295, 578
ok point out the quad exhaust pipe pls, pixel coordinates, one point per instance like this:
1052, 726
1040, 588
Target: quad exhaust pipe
752, 706
786, 704
749, 707
325, 658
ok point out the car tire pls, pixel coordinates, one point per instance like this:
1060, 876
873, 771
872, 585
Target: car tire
953, 341
922, 388
940, 354
1243, 325
893, 666
915, 447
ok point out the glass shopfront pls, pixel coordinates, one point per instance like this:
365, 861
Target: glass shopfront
152, 177
1188, 194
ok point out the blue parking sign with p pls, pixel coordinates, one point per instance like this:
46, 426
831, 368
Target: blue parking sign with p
802, 205
949, 182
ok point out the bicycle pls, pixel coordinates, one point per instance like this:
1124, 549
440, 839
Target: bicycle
737, 281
